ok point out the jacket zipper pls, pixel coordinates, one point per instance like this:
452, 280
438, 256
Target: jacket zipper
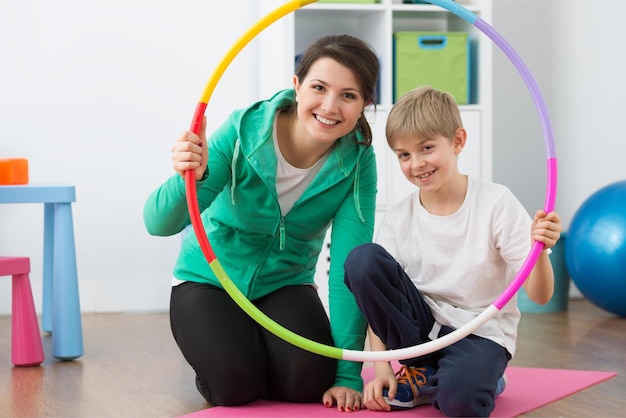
281, 233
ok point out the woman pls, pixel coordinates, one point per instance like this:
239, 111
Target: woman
271, 181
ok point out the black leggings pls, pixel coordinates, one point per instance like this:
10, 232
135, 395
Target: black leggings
236, 360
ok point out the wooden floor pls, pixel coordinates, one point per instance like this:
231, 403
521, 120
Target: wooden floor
132, 367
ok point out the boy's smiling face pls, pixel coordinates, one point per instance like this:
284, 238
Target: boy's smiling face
430, 163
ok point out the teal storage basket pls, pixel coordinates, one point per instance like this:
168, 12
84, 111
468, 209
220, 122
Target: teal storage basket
560, 299
437, 59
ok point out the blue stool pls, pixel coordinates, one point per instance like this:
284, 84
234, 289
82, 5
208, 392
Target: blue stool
61, 306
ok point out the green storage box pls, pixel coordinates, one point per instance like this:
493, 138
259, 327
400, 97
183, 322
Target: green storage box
437, 59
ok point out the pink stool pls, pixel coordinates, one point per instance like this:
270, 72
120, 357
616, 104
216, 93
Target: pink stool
26, 347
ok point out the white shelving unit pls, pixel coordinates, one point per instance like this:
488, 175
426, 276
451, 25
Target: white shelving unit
376, 23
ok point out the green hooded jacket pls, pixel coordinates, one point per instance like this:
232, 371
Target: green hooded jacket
260, 249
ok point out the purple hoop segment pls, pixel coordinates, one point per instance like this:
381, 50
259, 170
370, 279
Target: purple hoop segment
551, 186
546, 125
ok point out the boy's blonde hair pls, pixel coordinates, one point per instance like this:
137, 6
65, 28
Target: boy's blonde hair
423, 113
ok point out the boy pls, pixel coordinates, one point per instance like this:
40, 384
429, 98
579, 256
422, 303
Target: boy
441, 257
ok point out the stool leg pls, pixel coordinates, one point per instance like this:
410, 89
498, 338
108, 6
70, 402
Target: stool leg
48, 265
67, 334
26, 347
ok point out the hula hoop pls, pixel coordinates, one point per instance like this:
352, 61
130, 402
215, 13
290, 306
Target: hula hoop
403, 353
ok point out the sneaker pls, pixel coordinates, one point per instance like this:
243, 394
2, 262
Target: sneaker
410, 379
501, 386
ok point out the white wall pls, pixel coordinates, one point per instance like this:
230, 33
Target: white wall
576, 52
94, 93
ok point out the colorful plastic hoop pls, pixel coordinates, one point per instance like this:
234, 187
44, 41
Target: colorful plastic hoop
403, 353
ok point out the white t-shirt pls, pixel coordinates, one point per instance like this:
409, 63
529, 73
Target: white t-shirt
292, 181
461, 263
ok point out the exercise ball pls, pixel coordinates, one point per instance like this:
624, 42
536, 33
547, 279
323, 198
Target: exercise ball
595, 250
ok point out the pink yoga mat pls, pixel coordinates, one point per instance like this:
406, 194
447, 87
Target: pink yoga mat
527, 389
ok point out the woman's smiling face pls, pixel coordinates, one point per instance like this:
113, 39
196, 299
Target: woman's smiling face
329, 99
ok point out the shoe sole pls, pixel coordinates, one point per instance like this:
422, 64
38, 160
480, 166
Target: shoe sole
396, 404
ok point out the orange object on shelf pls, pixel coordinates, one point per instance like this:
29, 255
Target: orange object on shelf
13, 171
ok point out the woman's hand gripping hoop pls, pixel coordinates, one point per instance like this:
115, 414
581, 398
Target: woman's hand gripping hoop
389, 355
